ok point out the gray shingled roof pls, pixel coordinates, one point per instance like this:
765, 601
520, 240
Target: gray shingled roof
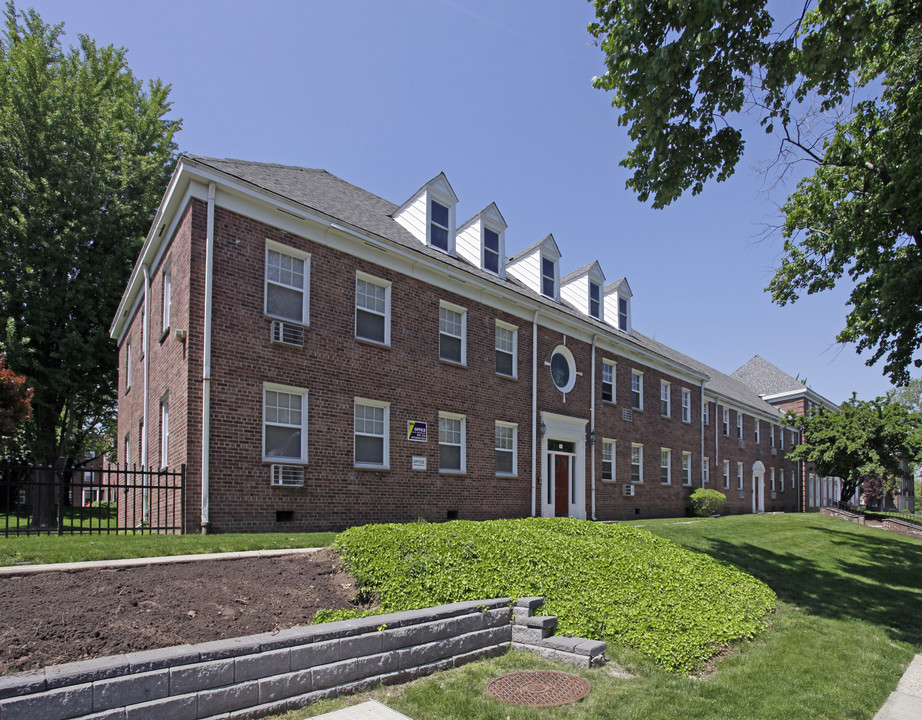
767, 379
348, 204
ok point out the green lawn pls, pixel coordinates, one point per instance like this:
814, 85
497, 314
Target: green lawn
847, 624
72, 548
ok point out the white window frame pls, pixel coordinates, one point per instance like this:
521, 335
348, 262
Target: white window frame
637, 455
611, 366
739, 476
739, 425
624, 314
272, 246
385, 436
386, 286
599, 301
165, 431
781, 437
127, 449
781, 480
128, 368
513, 451
665, 463
772, 433
449, 233
543, 277
637, 389
498, 253
726, 475
725, 421
706, 413
686, 405
500, 325
458, 310
665, 399
301, 459
705, 471
757, 434
166, 297
609, 449
463, 443
773, 479
686, 468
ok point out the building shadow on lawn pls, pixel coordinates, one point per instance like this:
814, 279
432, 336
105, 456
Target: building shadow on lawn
874, 580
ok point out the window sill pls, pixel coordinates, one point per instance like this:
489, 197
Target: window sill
453, 363
501, 375
507, 476
297, 462
609, 480
457, 473
164, 335
373, 343
373, 468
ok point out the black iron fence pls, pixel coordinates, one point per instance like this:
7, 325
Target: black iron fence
41, 500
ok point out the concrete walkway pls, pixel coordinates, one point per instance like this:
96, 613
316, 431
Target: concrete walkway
371, 710
8, 570
905, 703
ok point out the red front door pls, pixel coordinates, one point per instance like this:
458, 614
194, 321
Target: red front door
561, 485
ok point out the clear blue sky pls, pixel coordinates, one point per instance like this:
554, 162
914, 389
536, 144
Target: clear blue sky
498, 95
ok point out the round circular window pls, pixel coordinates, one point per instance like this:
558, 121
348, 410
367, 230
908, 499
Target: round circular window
563, 369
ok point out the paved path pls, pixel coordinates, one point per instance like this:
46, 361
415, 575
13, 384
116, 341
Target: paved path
370, 710
139, 562
905, 703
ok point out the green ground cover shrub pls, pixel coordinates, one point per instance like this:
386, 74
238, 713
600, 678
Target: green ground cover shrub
611, 582
705, 501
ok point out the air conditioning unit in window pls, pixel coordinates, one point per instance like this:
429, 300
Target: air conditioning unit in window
628, 490
287, 333
287, 476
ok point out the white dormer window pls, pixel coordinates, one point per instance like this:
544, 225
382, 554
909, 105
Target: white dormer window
618, 305
548, 277
622, 314
491, 251
595, 300
438, 225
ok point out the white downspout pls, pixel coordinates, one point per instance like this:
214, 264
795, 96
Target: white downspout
592, 436
145, 348
206, 361
534, 413
701, 423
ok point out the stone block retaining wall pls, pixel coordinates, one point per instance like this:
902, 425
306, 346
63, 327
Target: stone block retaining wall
258, 675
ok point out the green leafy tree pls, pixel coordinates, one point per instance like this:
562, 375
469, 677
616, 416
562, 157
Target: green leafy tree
85, 154
15, 402
861, 440
838, 83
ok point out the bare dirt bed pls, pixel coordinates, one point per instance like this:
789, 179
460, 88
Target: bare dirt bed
59, 617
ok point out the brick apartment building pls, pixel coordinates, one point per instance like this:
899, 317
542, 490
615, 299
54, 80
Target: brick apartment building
319, 357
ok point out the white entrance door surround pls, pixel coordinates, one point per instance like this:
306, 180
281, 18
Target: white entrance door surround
758, 487
569, 430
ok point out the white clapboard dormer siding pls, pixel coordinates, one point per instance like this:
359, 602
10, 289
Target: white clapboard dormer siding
482, 241
429, 215
618, 305
538, 267
583, 290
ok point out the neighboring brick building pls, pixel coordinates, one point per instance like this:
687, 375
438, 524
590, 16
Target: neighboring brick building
319, 357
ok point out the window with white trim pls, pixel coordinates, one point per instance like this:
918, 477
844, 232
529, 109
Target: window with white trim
773, 479
506, 463
686, 468
665, 466
726, 421
608, 381
739, 425
284, 423
757, 431
452, 332
608, 459
548, 277
686, 405
506, 342
595, 300
739, 476
439, 222
781, 480
167, 296
287, 282
726, 474
451, 443
491, 251
141, 338
165, 431
706, 413
622, 313
372, 309
772, 434
636, 390
636, 463
781, 437
705, 471
128, 366
665, 404
127, 449
372, 436
793, 438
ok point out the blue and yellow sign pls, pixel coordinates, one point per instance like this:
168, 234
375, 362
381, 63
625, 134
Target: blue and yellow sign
417, 431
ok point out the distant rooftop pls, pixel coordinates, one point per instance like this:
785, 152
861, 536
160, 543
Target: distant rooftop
766, 379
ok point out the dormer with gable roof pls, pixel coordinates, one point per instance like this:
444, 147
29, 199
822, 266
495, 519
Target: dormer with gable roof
538, 267
482, 241
582, 289
618, 305
429, 215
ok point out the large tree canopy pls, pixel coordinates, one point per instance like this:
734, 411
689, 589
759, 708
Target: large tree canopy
85, 154
861, 440
839, 82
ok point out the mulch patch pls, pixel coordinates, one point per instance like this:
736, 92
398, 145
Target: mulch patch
58, 617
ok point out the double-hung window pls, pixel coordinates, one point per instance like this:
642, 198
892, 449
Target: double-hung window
622, 314
451, 443
284, 423
608, 459
686, 405
452, 326
287, 283
781, 480
665, 466
491, 251
167, 297
165, 431
773, 479
372, 309
506, 337
706, 413
705, 471
726, 422
686, 468
595, 300
505, 448
372, 447
665, 405
636, 390
128, 365
739, 476
548, 278
438, 225
726, 474
739, 425
771, 430
756, 434
608, 381
636, 463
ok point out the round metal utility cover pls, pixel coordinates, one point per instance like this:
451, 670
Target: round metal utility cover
538, 688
